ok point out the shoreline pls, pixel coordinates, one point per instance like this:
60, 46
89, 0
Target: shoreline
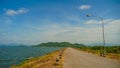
46, 61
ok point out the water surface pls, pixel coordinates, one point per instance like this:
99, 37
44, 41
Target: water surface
16, 54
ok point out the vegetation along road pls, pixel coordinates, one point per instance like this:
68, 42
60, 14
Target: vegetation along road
78, 59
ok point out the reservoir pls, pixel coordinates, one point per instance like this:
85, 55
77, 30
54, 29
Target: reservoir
12, 55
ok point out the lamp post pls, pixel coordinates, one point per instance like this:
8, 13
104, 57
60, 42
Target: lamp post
90, 15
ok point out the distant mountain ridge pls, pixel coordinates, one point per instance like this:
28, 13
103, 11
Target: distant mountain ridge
12, 44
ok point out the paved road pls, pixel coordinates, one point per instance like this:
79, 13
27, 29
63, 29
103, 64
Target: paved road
78, 59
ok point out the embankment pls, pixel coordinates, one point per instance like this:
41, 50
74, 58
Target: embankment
50, 60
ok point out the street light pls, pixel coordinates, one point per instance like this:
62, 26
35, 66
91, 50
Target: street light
90, 15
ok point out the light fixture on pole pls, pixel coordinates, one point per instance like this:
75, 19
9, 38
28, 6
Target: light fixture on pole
90, 15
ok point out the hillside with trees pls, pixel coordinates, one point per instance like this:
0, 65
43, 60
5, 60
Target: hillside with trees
59, 44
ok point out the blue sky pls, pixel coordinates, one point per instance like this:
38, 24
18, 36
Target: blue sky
37, 21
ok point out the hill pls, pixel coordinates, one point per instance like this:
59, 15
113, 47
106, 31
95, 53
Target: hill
59, 44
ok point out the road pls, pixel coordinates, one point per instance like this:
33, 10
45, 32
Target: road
78, 59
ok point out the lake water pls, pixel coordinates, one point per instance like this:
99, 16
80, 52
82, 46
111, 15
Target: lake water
15, 55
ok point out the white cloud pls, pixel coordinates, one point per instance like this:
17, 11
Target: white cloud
88, 35
85, 7
75, 34
22, 10
92, 22
97, 22
12, 12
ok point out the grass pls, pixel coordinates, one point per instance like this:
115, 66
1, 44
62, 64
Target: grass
114, 56
46, 61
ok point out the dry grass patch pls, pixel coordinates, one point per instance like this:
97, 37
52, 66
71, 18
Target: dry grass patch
114, 56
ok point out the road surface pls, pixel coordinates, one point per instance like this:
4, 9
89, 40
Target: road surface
78, 59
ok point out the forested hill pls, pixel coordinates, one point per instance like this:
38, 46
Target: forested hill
59, 44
